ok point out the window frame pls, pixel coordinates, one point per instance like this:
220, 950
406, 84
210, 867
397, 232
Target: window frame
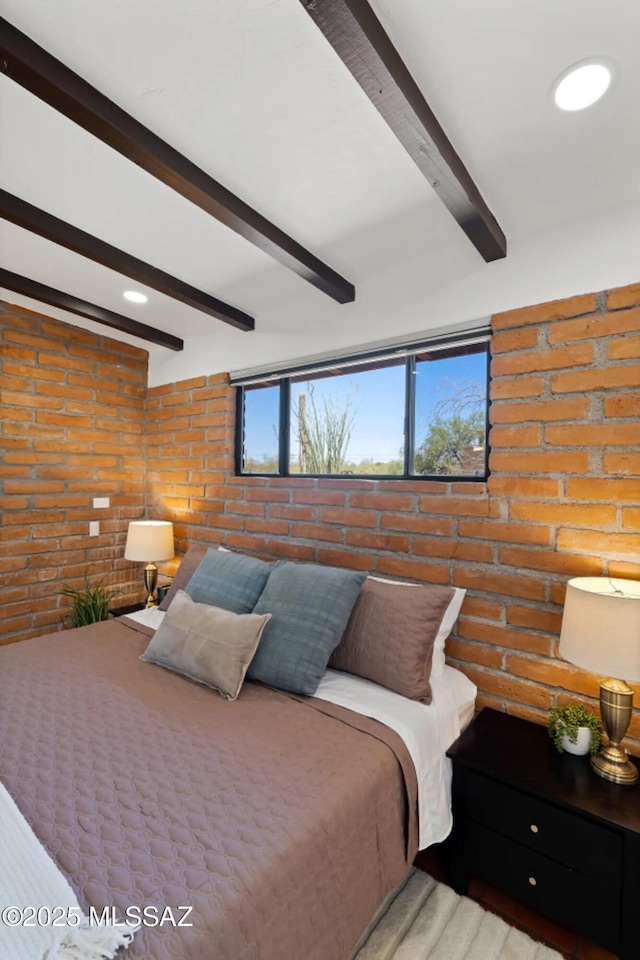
452, 347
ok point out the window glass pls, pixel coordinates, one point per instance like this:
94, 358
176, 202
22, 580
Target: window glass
450, 414
260, 451
349, 420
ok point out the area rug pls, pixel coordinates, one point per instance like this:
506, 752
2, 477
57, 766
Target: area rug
427, 920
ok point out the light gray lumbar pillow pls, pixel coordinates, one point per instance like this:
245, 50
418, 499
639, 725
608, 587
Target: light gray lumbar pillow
207, 644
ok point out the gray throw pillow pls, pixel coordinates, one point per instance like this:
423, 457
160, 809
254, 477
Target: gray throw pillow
228, 580
310, 606
206, 644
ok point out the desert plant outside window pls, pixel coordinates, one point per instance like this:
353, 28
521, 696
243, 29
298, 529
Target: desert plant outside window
419, 411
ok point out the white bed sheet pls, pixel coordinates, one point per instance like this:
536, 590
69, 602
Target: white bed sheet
427, 730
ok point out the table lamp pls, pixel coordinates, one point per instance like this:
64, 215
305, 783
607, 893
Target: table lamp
601, 633
149, 540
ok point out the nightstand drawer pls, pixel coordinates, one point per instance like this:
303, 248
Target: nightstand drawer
588, 905
573, 841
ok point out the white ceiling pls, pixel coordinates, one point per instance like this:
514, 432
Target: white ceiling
252, 92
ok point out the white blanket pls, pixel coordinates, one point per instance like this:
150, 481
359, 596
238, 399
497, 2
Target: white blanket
40, 917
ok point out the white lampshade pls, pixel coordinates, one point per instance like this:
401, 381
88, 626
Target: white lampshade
149, 540
601, 626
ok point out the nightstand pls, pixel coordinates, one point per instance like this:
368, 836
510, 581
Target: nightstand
127, 608
547, 829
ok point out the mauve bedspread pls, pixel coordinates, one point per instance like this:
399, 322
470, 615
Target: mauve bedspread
282, 821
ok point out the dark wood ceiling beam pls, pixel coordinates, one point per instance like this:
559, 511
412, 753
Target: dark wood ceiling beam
45, 225
66, 301
32, 67
359, 39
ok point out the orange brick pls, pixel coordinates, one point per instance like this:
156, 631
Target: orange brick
626, 349
623, 296
593, 488
544, 410
601, 325
273, 496
314, 531
544, 560
624, 463
349, 518
296, 551
377, 541
506, 687
535, 361
413, 486
442, 526
631, 518
523, 487
535, 618
292, 513
624, 405
327, 498
468, 507
554, 673
603, 544
532, 463
499, 530
273, 527
382, 501
512, 340
565, 514
517, 387
500, 636
242, 542
515, 436
479, 607
473, 652
528, 588
246, 509
591, 435
544, 312
412, 570
345, 558
606, 378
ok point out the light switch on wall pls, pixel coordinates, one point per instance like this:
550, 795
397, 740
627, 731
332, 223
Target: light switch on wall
100, 503
94, 528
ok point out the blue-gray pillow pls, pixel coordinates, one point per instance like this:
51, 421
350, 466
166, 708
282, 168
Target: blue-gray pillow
228, 580
309, 606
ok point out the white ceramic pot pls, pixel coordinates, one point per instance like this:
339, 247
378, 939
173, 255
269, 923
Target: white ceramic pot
582, 744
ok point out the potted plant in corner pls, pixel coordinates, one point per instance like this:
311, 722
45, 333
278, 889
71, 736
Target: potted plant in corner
575, 729
89, 605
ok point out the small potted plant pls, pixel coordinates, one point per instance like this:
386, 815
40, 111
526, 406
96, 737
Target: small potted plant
89, 605
575, 729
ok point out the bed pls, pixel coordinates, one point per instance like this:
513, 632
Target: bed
282, 820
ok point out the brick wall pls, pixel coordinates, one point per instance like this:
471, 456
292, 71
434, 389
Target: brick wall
72, 429
562, 500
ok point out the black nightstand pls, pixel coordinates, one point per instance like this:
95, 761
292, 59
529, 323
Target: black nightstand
547, 829
128, 608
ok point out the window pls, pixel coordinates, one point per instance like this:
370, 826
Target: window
420, 412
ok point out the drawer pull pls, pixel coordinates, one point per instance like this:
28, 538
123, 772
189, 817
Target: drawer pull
533, 881
533, 828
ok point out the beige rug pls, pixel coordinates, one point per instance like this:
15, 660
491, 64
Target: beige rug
427, 920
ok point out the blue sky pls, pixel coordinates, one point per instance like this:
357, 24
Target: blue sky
377, 404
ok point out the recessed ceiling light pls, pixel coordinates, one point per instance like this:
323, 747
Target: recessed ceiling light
582, 84
135, 297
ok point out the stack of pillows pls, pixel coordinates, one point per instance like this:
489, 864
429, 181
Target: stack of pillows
229, 616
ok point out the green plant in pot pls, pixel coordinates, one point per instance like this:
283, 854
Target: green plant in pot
575, 729
89, 605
